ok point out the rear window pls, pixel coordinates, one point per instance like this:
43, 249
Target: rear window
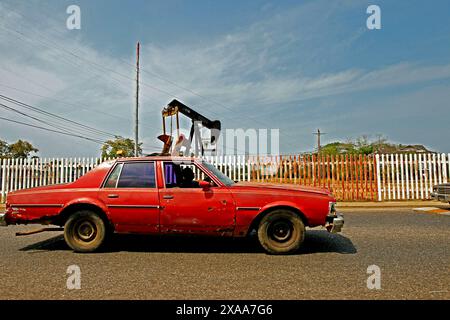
137, 175
113, 177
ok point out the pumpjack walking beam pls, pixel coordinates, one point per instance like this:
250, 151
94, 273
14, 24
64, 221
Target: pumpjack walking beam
174, 108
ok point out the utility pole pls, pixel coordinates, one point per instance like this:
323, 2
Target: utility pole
318, 133
136, 114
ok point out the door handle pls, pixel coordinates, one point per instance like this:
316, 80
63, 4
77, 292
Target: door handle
113, 196
167, 196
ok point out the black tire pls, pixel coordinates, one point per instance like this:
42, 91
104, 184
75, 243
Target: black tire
85, 231
281, 232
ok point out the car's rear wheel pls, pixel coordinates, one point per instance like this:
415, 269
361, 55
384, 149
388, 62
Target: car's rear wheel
281, 232
85, 231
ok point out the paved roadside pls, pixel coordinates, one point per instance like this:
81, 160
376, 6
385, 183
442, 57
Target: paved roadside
391, 204
411, 250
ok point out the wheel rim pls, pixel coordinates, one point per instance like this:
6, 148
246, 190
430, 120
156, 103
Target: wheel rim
85, 231
280, 230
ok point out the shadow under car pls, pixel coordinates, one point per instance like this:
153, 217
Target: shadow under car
316, 241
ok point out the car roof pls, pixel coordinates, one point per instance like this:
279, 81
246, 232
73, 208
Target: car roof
160, 158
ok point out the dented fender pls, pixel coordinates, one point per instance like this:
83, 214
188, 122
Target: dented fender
86, 201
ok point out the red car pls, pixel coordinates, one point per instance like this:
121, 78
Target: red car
164, 195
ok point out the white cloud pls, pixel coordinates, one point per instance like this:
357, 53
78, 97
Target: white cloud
37, 56
223, 75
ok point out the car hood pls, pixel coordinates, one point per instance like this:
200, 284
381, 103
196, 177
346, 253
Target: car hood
255, 186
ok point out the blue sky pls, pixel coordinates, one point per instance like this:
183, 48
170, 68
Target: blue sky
292, 65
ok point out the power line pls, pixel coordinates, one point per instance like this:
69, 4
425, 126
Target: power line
52, 45
64, 102
66, 132
41, 111
28, 79
51, 130
71, 62
31, 117
61, 132
99, 66
65, 129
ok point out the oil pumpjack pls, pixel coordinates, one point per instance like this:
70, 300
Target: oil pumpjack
173, 109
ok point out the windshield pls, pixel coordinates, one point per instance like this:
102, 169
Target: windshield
221, 176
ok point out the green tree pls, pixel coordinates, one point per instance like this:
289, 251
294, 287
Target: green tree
21, 149
363, 146
123, 147
4, 149
336, 148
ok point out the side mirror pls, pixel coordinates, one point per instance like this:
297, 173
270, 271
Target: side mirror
204, 184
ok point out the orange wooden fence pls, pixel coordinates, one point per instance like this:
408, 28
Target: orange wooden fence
349, 177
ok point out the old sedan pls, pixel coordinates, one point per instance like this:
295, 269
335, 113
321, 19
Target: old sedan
441, 192
163, 195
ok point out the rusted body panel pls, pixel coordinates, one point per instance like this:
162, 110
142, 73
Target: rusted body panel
196, 210
225, 210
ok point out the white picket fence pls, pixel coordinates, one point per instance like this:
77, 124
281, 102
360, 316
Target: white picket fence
410, 176
16, 174
235, 167
399, 176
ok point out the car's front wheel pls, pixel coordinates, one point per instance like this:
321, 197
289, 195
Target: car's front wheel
281, 232
85, 231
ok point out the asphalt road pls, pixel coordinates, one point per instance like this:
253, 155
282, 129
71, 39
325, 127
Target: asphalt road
411, 249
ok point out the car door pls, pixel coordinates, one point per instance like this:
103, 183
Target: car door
131, 195
194, 209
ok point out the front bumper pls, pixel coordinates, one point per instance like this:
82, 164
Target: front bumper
335, 223
3, 222
440, 197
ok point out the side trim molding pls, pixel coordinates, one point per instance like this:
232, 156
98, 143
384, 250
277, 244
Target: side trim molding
36, 205
248, 208
134, 206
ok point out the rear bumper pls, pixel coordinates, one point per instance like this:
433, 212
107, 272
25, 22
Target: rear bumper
335, 223
3, 222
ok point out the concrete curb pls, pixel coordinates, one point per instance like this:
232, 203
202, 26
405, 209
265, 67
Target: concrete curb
433, 210
390, 204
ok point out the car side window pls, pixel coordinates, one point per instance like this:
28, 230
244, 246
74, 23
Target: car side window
114, 177
183, 175
137, 175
